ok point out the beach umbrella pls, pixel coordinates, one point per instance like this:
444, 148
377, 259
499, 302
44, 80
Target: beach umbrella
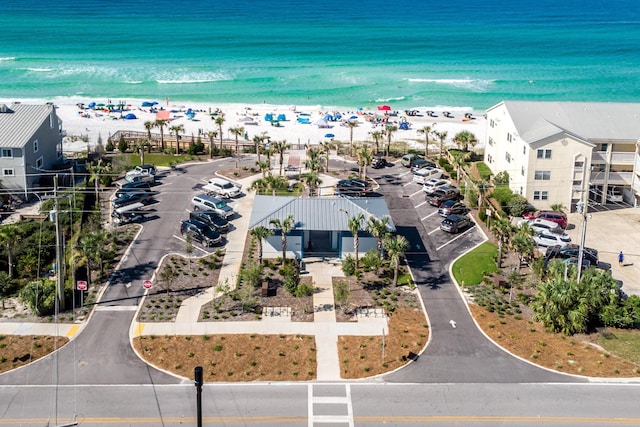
353, 118
130, 116
329, 135
321, 123
384, 108
109, 105
99, 105
246, 119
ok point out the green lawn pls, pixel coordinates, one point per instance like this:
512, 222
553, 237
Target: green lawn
625, 344
470, 269
483, 170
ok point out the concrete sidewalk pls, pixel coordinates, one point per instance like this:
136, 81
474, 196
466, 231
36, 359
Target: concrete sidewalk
68, 330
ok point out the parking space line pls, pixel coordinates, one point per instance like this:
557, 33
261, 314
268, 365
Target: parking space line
408, 183
433, 231
417, 192
455, 238
194, 246
420, 204
406, 173
429, 216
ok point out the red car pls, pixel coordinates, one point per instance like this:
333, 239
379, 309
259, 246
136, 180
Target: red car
553, 216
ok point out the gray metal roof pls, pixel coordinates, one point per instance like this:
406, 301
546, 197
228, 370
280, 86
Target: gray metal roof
19, 122
587, 120
317, 213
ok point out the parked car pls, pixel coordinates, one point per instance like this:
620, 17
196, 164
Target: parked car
449, 207
443, 194
353, 187
131, 197
379, 162
433, 184
145, 173
206, 202
222, 188
455, 223
425, 174
408, 159
127, 214
200, 232
546, 238
572, 251
211, 218
539, 224
422, 163
557, 217
134, 187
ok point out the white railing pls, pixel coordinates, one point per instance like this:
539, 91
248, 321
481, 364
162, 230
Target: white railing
599, 157
613, 178
622, 158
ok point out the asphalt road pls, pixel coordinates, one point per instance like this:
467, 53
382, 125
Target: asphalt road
344, 404
461, 378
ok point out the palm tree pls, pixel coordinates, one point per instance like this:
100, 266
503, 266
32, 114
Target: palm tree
327, 146
285, 226
442, 137
522, 244
503, 230
351, 124
219, 121
354, 224
264, 168
212, 135
558, 207
160, 124
464, 138
280, 147
97, 171
258, 140
177, 129
378, 228
395, 247
364, 158
377, 137
389, 129
313, 160
237, 131
148, 126
9, 236
140, 147
426, 130
311, 180
260, 233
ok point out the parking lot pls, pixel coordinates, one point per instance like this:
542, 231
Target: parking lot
611, 232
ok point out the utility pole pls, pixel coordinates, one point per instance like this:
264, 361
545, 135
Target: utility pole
583, 208
59, 248
198, 377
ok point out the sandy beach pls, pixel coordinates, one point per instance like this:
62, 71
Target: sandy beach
95, 123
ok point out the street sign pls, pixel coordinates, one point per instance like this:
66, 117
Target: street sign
147, 284
81, 285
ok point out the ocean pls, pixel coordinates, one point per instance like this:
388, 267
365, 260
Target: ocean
426, 54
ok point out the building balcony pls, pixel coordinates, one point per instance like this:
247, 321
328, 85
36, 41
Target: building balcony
619, 178
599, 157
622, 158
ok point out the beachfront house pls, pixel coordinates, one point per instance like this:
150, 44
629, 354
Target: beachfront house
320, 227
554, 152
30, 145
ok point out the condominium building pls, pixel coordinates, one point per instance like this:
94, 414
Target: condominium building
554, 152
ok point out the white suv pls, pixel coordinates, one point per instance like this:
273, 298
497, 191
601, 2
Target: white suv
222, 188
433, 184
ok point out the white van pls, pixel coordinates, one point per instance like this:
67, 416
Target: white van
222, 188
425, 174
206, 202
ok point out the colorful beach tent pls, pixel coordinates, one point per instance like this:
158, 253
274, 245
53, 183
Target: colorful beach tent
149, 103
130, 116
163, 115
384, 108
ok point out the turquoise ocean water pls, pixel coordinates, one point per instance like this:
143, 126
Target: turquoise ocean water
336, 53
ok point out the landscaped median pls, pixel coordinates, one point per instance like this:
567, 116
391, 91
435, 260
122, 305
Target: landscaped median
503, 313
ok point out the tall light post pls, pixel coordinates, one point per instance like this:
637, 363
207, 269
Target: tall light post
583, 208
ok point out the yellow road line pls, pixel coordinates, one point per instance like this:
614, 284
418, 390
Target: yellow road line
72, 330
137, 332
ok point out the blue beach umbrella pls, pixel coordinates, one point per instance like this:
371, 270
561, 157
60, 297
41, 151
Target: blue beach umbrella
329, 135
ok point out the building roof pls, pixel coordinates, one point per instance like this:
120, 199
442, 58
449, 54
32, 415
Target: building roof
19, 122
588, 120
317, 213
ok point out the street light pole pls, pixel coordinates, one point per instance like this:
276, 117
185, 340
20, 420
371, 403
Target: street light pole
583, 208
197, 373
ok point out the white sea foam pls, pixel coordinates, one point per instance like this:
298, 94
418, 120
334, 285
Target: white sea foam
480, 85
7, 58
399, 98
39, 70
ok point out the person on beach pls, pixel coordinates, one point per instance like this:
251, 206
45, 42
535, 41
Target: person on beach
621, 259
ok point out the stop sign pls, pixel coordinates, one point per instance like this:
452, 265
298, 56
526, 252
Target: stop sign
147, 284
81, 285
